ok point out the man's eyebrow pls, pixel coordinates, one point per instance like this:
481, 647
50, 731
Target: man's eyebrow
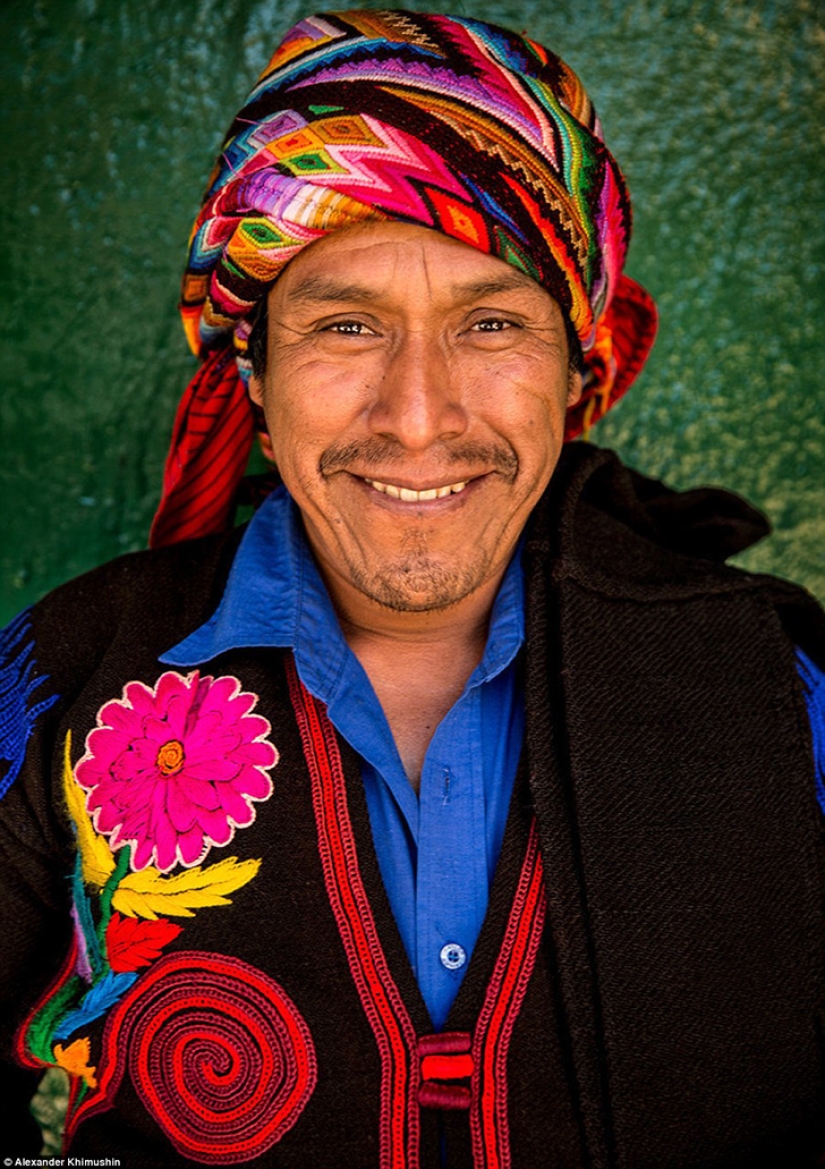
514, 281
321, 288
316, 289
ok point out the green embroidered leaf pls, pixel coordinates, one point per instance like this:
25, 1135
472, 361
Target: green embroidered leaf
41, 1031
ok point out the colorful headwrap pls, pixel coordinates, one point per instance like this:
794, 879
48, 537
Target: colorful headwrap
441, 121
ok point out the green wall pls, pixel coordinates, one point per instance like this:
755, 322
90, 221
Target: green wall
112, 109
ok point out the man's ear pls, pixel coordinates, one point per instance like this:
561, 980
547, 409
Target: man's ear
255, 386
574, 387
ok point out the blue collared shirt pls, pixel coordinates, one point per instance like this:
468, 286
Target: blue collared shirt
436, 873
435, 868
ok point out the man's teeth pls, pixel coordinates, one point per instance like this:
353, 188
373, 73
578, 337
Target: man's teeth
408, 496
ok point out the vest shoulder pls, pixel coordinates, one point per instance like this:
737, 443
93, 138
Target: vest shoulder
153, 597
622, 534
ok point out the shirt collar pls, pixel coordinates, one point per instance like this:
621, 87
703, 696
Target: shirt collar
275, 597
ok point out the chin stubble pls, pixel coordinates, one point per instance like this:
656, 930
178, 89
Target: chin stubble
417, 583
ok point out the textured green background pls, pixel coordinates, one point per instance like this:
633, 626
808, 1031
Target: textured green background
112, 109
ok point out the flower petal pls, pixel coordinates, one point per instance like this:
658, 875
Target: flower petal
203, 795
254, 784
191, 846
182, 812
216, 826
135, 794
213, 770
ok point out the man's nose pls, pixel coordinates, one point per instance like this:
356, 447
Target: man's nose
418, 400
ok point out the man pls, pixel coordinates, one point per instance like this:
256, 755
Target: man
461, 810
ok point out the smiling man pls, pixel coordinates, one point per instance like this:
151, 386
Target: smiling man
416, 393
460, 810
416, 416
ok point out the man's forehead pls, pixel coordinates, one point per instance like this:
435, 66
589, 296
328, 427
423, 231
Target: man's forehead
314, 289
357, 264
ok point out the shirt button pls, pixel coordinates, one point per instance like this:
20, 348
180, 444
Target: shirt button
453, 956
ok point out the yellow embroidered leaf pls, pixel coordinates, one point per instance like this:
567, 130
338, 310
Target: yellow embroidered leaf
95, 854
75, 1060
149, 893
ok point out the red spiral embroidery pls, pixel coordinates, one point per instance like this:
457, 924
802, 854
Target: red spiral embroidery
217, 1052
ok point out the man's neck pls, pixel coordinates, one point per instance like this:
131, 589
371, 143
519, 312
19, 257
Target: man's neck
417, 661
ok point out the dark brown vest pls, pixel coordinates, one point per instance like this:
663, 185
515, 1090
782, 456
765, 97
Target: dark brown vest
669, 1016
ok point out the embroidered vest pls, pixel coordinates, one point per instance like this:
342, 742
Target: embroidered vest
646, 987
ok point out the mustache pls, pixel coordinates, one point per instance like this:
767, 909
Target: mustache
385, 452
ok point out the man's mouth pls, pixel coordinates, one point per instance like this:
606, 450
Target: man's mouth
407, 495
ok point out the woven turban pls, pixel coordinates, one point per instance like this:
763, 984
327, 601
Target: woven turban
445, 122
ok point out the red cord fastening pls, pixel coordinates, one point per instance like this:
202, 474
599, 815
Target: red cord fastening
446, 1067
445, 1057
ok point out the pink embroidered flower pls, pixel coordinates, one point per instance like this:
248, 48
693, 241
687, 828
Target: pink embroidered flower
175, 770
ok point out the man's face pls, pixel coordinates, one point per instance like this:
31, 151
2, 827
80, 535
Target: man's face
415, 394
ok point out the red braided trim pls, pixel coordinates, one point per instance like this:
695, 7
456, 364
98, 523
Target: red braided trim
24, 1055
489, 1126
380, 998
21, 1052
403, 1056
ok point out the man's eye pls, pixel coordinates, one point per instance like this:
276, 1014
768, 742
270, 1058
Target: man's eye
493, 325
348, 328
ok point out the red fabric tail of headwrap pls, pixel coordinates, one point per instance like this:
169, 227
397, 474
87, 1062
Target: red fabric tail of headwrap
633, 321
208, 454
625, 336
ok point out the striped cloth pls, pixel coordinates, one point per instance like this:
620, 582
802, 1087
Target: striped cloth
446, 122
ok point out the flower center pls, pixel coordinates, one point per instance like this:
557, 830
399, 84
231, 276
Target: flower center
170, 757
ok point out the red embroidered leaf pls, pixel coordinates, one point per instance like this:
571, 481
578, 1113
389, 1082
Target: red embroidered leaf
132, 942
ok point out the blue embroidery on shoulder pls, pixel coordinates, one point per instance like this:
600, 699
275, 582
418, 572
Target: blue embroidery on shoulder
18, 712
813, 683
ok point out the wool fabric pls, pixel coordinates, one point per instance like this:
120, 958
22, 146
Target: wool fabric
445, 122
669, 769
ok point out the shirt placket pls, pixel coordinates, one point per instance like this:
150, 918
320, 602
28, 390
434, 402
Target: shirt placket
452, 881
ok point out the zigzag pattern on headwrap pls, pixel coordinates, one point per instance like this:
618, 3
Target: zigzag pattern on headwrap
445, 122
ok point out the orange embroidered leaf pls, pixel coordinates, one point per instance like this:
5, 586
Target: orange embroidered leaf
132, 942
75, 1060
